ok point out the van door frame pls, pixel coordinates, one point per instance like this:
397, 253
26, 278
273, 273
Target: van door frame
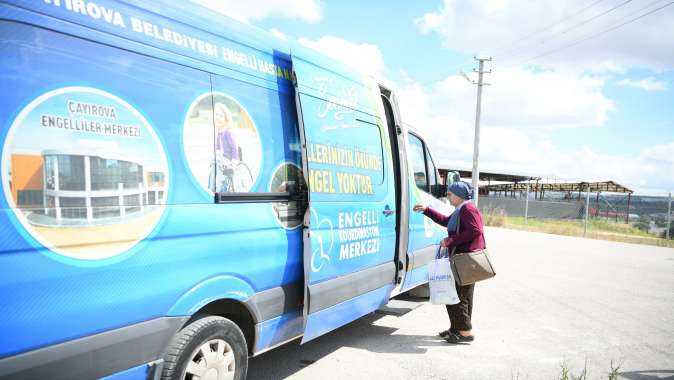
399, 157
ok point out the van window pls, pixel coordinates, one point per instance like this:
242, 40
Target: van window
418, 162
370, 153
340, 158
344, 153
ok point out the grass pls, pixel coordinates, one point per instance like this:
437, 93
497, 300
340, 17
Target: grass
567, 375
613, 374
494, 217
600, 229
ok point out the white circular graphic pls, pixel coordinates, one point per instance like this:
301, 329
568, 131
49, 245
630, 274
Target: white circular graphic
288, 178
221, 144
84, 173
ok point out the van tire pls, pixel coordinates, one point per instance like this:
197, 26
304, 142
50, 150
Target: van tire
222, 336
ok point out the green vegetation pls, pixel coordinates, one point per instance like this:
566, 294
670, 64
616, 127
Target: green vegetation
578, 225
597, 228
567, 375
494, 217
643, 223
613, 374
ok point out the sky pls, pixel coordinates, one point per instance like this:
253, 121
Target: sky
579, 90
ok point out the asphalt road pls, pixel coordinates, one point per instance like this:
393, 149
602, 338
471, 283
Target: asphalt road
555, 300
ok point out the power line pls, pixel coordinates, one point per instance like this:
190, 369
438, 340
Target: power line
559, 22
462, 64
574, 14
596, 16
578, 25
538, 32
553, 51
454, 70
549, 52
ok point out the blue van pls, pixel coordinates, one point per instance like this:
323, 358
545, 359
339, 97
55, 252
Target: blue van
181, 192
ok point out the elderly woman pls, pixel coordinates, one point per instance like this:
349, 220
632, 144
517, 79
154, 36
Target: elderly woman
468, 237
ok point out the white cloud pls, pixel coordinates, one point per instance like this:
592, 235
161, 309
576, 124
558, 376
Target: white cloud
520, 113
515, 30
523, 99
662, 153
305, 10
643, 172
648, 84
566, 89
363, 56
278, 33
448, 128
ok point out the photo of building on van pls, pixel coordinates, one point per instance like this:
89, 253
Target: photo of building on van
86, 173
217, 123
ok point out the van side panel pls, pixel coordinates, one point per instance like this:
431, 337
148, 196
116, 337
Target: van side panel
84, 254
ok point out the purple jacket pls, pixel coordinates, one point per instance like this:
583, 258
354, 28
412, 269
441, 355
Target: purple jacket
226, 144
471, 229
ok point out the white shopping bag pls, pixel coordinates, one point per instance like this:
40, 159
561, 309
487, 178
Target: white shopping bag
441, 280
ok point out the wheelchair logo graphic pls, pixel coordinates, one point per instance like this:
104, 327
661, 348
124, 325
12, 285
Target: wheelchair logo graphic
322, 237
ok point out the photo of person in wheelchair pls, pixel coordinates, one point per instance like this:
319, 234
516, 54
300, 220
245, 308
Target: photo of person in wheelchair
231, 174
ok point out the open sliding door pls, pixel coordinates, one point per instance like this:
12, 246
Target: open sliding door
350, 226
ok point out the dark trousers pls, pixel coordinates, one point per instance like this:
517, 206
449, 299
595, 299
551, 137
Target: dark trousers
460, 314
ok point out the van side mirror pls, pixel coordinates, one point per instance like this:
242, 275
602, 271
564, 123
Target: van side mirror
453, 177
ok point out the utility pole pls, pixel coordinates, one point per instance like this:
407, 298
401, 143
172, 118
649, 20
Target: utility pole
476, 146
587, 209
526, 207
669, 215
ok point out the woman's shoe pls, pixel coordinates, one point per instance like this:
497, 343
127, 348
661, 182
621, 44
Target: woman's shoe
445, 333
458, 338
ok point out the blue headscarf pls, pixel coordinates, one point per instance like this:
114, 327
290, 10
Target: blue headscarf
463, 190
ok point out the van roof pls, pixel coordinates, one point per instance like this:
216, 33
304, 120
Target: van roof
211, 21
207, 38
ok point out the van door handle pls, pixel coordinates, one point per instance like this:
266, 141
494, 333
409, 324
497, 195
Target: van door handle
388, 212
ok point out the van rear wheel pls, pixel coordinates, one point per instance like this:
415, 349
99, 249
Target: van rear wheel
210, 348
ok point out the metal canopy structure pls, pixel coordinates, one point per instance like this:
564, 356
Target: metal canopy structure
511, 184
489, 176
539, 189
566, 187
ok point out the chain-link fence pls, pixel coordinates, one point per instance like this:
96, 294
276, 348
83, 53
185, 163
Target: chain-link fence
603, 210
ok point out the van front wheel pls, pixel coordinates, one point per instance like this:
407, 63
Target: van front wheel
210, 348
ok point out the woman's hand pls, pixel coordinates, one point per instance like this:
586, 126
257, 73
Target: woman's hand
420, 208
444, 243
